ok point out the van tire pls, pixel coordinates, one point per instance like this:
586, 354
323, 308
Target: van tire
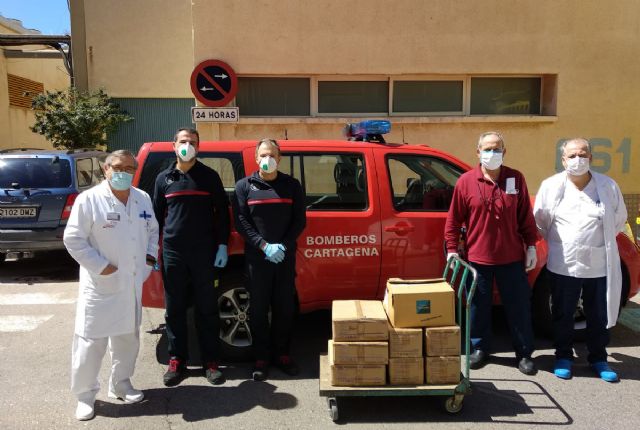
233, 308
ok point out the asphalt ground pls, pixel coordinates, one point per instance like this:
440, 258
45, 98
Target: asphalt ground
37, 307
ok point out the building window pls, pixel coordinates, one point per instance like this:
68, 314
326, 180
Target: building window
505, 96
366, 96
354, 97
273, 96
428, 97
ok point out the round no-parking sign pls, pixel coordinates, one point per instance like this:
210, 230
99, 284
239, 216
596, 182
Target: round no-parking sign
214, 83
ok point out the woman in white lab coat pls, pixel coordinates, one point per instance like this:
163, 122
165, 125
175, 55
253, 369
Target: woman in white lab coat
113, 234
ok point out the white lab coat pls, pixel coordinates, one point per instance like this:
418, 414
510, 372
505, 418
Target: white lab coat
102, 231
615, 216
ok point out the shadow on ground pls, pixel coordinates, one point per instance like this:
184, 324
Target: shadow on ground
518, 401
198, 403
44, 267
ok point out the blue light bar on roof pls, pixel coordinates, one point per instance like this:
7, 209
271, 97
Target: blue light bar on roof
371, 126
371, 129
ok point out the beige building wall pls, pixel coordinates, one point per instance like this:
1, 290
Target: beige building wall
6, 27
5, 124
139, 48
149, 48
592, 47
15, 121
53, 75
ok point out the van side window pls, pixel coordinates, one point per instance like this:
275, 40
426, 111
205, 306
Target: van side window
421, 183
84, 172
332, 182
224, 168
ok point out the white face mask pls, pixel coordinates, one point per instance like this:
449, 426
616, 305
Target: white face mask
491, 160
268, 164
577, 166
186, 152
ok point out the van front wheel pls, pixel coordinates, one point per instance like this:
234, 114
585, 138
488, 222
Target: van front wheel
235, 333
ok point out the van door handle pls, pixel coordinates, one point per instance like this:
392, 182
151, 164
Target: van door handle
400, 229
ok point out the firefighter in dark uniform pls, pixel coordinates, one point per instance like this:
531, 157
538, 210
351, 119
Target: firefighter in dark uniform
270, 215
192, 209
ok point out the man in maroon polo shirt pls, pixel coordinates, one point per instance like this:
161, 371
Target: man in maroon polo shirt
492, 202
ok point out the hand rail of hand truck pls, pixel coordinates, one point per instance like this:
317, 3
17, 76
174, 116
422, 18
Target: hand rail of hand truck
457, 278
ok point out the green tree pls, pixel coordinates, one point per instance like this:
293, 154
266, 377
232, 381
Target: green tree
72, 119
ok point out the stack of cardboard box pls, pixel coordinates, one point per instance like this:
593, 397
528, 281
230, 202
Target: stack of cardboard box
369, 335
359, 350
411, 306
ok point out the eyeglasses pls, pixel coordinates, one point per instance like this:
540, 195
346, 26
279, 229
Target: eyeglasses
130, 170
494, 151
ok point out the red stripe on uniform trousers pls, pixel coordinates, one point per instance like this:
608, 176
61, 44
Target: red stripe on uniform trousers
188, 193
267, 201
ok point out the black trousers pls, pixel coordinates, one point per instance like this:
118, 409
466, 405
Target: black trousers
515, 294
565, 293
189, 280
271, 286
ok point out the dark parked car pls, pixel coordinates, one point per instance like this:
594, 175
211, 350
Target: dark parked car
37, 190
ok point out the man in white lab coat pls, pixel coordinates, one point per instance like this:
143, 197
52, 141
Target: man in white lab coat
113, 234
579, 213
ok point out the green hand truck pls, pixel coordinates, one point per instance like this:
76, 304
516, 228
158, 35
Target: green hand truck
456, 274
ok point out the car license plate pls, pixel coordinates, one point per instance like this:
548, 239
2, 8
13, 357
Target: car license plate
18, 212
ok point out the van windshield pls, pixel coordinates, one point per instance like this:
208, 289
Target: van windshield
31, 172
229, 167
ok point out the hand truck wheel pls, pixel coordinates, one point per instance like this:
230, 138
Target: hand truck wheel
453, 404
332, 402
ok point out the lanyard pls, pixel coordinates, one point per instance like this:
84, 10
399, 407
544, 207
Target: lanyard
489, 202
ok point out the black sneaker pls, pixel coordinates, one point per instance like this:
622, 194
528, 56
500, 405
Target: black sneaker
287, 365
260, 370
175, 373
213, 374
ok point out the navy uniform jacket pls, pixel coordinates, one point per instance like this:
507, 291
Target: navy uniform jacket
269, 211
192, 209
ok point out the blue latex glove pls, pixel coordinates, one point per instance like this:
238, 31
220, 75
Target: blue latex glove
221, 256
272, 260
275, 252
